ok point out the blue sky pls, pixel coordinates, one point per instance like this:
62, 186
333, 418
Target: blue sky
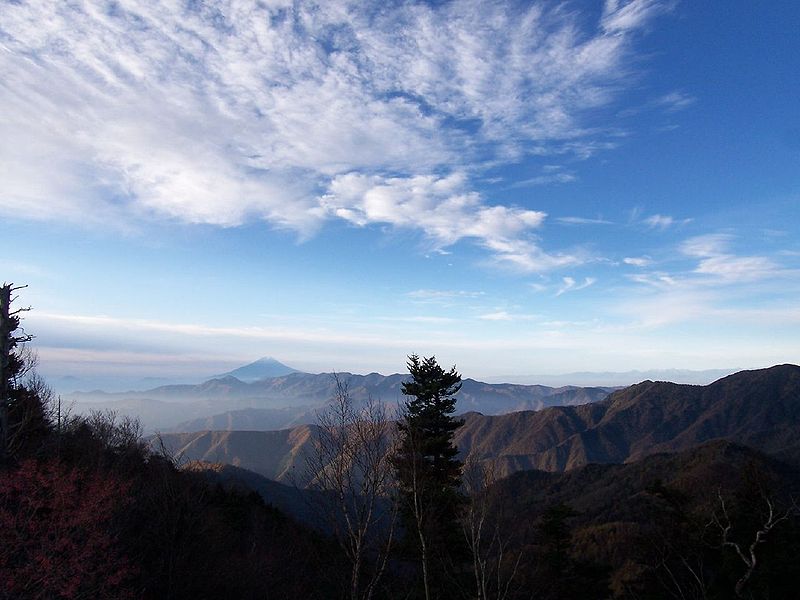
518, 188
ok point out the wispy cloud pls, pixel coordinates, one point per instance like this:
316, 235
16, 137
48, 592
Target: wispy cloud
659, 221
620, 16
570, 285
704, 246
718, 261
583, 221
444, 297
504, 315
500, 315
545, 179
638, 261
294, 114
675, 101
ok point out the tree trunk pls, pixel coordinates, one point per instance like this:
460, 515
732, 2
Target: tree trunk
5, 375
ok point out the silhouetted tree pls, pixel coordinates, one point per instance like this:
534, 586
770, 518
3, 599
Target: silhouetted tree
429, 472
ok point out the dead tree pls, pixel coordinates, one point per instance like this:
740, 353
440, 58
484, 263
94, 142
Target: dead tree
350, 467
747, 552
12, 365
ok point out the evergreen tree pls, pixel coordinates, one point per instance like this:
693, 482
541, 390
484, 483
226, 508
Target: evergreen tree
429, 472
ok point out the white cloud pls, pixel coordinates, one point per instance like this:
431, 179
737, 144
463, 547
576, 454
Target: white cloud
446, 211
659, 221
504, 315
704, 246
228, 113
570, 285
716, 259
621, 15
545, 179
663, 222
638, 261
500, 315
737, 268
675, 101
583, 221
443, 295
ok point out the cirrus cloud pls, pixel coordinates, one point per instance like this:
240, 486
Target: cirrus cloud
293, 114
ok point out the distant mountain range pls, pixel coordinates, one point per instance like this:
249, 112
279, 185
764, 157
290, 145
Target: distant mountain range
623, 378
267, 367
284, 401
760, 409
115, 382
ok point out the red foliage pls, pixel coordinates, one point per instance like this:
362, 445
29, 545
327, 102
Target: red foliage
56, 533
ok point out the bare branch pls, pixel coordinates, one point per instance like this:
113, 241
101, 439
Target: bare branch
350, 467
747, 552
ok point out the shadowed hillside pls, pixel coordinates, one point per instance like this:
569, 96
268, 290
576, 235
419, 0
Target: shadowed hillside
646, 527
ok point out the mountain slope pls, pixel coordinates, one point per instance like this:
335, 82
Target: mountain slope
277, 455
757, 408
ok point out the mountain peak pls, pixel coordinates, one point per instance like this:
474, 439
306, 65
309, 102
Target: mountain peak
263, 368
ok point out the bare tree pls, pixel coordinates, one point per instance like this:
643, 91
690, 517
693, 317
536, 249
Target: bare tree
486, 533
350, 466
747, 552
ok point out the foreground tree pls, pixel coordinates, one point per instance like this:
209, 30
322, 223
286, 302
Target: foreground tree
14, 363
350, 465
429, 472
21, 406
489, 531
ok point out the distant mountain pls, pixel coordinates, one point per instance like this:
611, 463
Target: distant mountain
67, 384
290, 399
760, 409
263, 368
625, 378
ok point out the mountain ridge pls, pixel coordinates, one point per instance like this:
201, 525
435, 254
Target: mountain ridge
288, 399
758, 408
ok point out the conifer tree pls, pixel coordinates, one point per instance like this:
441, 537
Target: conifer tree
428, 470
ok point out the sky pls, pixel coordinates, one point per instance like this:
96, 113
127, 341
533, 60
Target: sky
519, 188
